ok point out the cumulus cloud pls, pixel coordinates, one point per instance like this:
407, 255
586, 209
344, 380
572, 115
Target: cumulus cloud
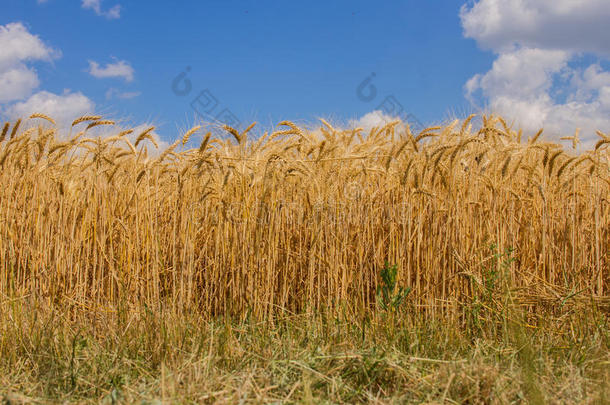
62, 108
18, 48
372, 119
96, 5
17, 83
68, 106
19, 45
379, 118
119, 69
570, 25
538, 78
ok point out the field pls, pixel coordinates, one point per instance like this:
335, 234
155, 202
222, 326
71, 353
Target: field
468, 263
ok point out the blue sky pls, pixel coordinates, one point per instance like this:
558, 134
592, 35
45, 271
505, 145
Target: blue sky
274, 60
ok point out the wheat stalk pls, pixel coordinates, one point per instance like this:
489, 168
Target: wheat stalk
4, 131
15, 129
146, 134
85, 118
294, 220
190, 132
43, 116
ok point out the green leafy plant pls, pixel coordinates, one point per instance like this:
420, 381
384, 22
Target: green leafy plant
500, 266
493, 278
389, 295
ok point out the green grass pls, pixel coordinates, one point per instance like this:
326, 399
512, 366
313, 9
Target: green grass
404, 356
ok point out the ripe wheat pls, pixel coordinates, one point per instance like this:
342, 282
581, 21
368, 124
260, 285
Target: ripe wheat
297, 218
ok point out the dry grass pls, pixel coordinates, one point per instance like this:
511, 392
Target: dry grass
146, 357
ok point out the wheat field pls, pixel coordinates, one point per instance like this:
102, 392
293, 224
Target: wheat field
299, 220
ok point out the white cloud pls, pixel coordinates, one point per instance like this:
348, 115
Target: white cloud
17, 83
17, 80
537, 79
62, 108
571, 25
120, 69
378, 118
67, 107
18, 47
522, 73
126, 95
372, 119
96, 5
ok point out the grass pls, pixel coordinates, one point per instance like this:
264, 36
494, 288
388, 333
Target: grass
311, 357
147, 357
457, 265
